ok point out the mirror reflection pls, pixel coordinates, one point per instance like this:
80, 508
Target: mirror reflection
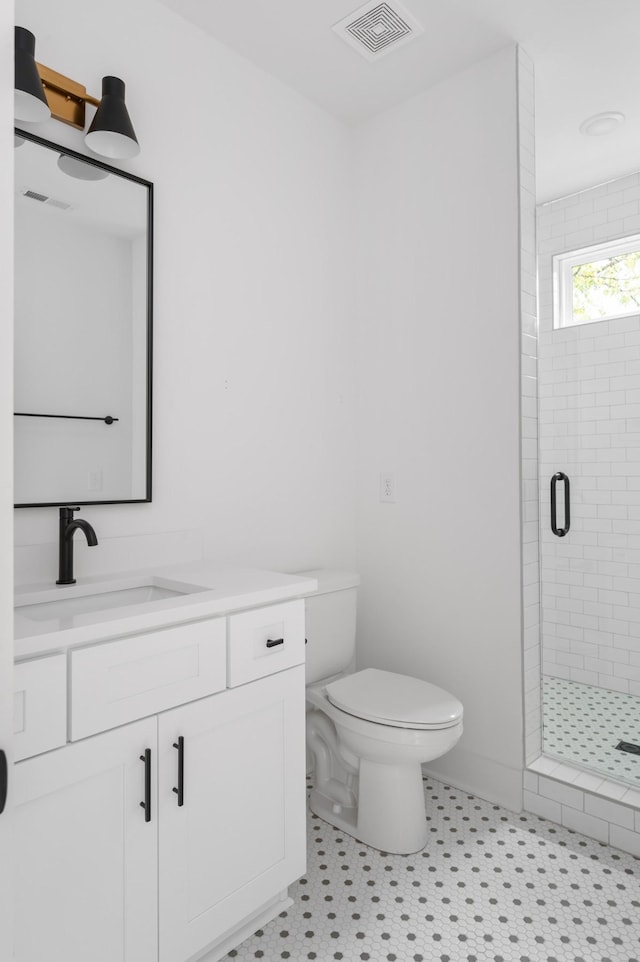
82, 329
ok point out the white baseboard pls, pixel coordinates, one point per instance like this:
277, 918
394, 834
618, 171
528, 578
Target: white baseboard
479, 776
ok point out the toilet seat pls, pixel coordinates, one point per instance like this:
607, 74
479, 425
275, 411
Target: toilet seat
396, 700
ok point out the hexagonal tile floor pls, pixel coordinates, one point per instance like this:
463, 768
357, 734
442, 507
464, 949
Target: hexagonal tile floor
583, 724
489, 886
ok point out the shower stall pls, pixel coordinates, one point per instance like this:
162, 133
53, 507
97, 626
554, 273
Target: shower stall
589, 477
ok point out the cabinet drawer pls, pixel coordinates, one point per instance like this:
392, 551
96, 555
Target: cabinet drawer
264, 641
119, 681
39, 705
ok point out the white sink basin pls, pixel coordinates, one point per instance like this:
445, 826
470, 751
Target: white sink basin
73, 606
103, 601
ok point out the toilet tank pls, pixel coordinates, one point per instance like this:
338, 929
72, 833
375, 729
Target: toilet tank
330, 623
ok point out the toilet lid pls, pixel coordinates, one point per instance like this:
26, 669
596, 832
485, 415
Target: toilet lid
396, 700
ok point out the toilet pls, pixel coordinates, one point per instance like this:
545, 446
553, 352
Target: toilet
369, 731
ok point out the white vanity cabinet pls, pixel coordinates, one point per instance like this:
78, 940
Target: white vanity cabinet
86, 860
238, 838
174, 836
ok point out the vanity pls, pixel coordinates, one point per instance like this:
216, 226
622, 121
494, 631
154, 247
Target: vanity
160, 792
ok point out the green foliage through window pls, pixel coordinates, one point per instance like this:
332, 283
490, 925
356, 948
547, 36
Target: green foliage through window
606, 288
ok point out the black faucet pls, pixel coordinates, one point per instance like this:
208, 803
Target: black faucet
68, 527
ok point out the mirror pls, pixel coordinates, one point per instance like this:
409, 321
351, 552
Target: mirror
83, 326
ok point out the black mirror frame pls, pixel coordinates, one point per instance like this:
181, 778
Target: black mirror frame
149, 367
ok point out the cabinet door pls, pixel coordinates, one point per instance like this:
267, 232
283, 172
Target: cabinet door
86, 859
238, 839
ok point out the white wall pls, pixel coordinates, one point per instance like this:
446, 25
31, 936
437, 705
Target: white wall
254, 354
590, 429
6, 461
438, 354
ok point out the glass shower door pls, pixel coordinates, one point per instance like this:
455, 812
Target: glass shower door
589, 456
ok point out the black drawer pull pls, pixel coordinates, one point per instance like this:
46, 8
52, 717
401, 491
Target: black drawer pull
179, 791
146, 758
560, 532
272, 642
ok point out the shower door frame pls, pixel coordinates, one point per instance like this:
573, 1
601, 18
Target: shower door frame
556, 790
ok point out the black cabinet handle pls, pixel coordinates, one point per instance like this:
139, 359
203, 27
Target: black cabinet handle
146, 758
4, 780
272, 642
180, 789
560, 532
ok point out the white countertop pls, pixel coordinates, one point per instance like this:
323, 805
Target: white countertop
212, 590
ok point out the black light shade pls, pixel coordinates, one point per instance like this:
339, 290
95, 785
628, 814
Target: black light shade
30, 99
111, 133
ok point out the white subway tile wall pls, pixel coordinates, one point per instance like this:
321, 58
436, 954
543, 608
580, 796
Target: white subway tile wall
589, 391
597, 807
529, 410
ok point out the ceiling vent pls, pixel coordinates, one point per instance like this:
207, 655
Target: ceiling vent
44, 199
378, 28
35, 196
60, 204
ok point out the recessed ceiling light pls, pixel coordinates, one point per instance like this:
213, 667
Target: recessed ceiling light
601, 124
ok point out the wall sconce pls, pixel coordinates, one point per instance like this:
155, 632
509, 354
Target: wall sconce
30, 99
41, 93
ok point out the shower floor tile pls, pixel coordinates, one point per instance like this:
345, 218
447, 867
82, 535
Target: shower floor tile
489, 886
583, 724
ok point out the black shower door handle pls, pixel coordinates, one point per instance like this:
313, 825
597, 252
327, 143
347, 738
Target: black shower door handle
560, 532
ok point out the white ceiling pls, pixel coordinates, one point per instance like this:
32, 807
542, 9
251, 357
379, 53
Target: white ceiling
585, 52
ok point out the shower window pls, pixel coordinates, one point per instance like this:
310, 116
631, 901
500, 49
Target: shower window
597, 283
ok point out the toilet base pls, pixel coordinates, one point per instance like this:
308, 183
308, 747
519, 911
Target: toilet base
340, 816
390, 815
